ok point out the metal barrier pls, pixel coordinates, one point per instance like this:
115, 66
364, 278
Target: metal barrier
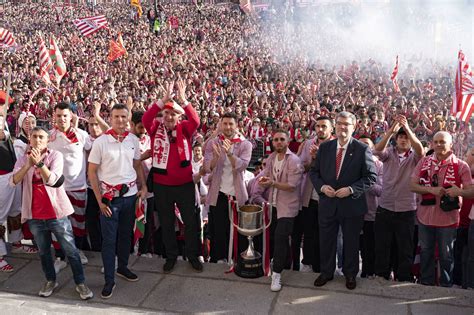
258, 151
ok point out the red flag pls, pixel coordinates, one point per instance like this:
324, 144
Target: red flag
44, 62
394, 75
463, 98
116, 49
90, 25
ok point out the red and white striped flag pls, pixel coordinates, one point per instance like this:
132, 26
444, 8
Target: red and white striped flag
6, 38
59, 69
463, 98
44, 62
394, 75
90, 25
246, 6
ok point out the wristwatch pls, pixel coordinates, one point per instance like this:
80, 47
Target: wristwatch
40, 164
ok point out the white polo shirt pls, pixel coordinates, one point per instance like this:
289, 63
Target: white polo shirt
115, 160
74, 169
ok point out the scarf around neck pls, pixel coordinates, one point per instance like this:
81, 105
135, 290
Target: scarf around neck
161, 148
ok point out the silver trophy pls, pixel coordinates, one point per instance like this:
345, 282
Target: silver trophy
250, 224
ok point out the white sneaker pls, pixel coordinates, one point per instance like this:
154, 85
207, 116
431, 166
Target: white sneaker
338, 272
83, 257
84, 292
59, 265
306, 268
276, 282
201, 259
222, 261
116, 266
48, 288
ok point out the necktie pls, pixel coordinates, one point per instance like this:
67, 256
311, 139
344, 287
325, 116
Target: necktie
338, 161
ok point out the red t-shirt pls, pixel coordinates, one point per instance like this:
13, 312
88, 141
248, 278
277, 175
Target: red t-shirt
41, 206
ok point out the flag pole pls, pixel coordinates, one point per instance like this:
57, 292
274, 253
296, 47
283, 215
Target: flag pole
7, 94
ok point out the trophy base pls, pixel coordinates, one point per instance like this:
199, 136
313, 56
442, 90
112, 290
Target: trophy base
249, 268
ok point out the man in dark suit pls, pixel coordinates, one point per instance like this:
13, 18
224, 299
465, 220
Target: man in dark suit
342, 172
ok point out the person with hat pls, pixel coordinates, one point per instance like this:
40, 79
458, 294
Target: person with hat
172, 171
26, 122
10, 197
395, 216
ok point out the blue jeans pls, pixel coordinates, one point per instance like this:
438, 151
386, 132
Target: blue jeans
470, 257
61, 228
117, 235
429, 237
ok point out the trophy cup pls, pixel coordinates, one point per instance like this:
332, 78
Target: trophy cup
250, 224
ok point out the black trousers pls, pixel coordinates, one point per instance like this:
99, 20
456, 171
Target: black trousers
145, 243
92, 221
328, 230
368, 249
219, 225
296, 239
281, 242
398, 226
311, 248
184, 197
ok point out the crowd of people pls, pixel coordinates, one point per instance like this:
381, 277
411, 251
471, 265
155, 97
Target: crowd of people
173, 127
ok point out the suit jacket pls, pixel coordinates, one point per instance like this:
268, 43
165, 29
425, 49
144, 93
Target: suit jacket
288, 203
357, 171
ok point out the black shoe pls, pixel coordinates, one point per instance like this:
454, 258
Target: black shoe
108, 290
196, 264
127, 275
322, 280
169, 265
351, 283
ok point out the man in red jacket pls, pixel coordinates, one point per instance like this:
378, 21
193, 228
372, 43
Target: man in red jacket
172, 171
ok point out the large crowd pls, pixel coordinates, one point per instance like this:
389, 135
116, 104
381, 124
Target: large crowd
220, 107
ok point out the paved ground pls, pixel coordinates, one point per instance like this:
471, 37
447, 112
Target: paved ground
214, 291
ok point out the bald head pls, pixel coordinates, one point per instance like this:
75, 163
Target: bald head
442, 144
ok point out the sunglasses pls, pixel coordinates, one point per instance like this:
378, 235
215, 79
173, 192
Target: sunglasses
279, 139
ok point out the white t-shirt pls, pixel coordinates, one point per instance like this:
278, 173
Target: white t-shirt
115, 160
227, 180
74, 169
277, 166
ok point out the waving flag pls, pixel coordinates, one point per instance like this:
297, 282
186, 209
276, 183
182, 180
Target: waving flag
6, 38
463, 99
44, 62
116, 49
59, 69
138, 6
90, 25
394, 75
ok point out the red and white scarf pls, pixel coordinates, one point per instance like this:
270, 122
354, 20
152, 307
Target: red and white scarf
161, 148
256, 133
431, 167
